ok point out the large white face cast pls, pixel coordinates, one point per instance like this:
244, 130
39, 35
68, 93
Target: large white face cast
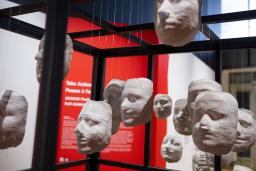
198, 86
177, 21
214, 122
67, 60
241, 168
181, 118
93, 129
137, 101
162, 106
13, 113
202, 161
246, 131
171, 149
112, 95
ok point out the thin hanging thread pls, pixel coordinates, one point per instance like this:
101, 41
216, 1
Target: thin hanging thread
106, 38
114, 22
93, 19
100, 16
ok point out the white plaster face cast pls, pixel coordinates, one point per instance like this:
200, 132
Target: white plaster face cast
162, 106
137, 101
13, 112
198, 86
177, 21
67, 60
181, 118
171, 149
214, 122
241, 168
246, 131
112, 95
93, 129
202, 161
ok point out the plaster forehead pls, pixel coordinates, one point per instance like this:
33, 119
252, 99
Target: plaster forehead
180, 104
213, 100
96, 109
69, 43
241, 168
115, 85
139, 86
177, 22
162, 96
170, 137
250, 114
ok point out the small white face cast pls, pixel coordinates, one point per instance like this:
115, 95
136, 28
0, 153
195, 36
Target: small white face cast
177, 21
162, 106
112, 95
246, 131
181, 118
214, 122
171, 149
202, 161
137, 101
93, 129
241, 168
67, 60
198, 86
13, 112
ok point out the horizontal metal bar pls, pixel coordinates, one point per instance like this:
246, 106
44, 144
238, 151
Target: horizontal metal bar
35, 32
71, 164
159, 169
23, 9
121, 164
208, 45
229, 17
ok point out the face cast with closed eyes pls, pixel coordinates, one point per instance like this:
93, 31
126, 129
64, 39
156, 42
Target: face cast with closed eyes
202, 161
171, 149
181, 118
137, 101
177, 21
67, 60
162, 106
246, 131
214, 122
13, 112
93, 129
112, 95
241, 168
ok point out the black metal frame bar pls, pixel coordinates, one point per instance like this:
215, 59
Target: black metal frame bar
45, 147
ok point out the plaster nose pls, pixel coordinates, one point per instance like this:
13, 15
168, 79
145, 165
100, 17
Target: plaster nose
163, 14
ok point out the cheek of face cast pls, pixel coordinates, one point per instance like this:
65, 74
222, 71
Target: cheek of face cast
133, 103
162, 106
171, 148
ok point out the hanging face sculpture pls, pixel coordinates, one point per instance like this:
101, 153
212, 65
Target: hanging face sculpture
177, 21
112, 95
241, 168
246, 131
214, 122
93, 129
162, 106
181, 119
67, 60
171, 149
13, 113
202, 161
137, 101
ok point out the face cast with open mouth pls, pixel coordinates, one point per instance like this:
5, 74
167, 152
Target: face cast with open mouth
93, 129
171, 149
137, 101
162, 105
246, 131
202, 161
13, 115
214, 122
177, 21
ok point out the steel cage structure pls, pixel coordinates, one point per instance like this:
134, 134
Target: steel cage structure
49, 95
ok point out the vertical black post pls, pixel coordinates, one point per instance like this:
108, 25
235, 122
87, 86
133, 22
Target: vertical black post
147, 141
218, 69
50, 88
98, 79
